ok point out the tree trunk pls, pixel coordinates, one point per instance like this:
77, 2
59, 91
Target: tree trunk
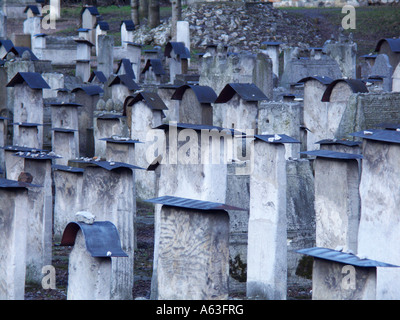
154, 13
143, 9
135, 12
176, 16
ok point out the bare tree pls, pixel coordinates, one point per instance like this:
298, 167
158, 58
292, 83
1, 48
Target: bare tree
135, 11
154, 13
176, 16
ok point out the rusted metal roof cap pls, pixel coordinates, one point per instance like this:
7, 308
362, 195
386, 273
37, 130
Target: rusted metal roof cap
394, 44
204, 94
247, 91
356, 85
101, 238
156, 66
276, 138
390, 136
152, 99
333, 155
33, 79
192, 204
179, 49
343, 257
322, 79
125, 80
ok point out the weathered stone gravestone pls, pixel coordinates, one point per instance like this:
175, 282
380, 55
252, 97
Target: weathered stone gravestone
282, 117
134, 54
337, 208
195, 104
28, 108
65, 131
383, 68
377, 236
144, 112
193, 253
271, 49
267, 265
127, 28
177, 56
297, 68
40, 221
165, 92
105, 54
14, 233
153, 72
3, 25
67, 197
83, 56
105, 126
90, 261
114, 201
238, 106
389, 47
341, 145
219, 69
101, 29
315, 112
87, 96
89, 17
340, 275
365, 66
338, 94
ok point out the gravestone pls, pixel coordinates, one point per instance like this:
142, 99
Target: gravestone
267, 265
105, 56
383, 68
90, 261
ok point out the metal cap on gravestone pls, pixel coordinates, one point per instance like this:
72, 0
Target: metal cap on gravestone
125, 80
328, 154
125, 67
247, 91
357, 86
156, 66
178, 48
192, 204
108, 165
204, 94
101, 238
389, 136
97, 76
33, 79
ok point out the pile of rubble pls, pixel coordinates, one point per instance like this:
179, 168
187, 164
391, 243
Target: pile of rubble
239, 25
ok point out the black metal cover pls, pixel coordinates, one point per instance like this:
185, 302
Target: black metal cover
389, 126
91, 90
11, 184
394, 44
22, 149
348, 143
109, 116
179, 48
152, 99
108, 165
247, 91
343, 257
125, 80
65, 104
156, 65
356, 85
129, 25
7, 44
100, 76
33, 79
333, 155
204, 94
18, 51
192, 204
196, 127
87, 42
64, 130
101, 238
390, 136
58, 167
322, 79
26, 124
120, 141
103, 25
33, 8
93, 11
126, 63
